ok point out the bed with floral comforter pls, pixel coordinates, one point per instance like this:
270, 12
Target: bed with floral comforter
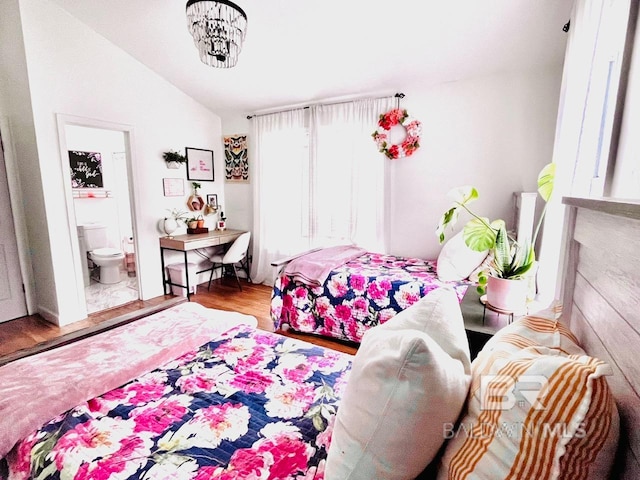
248, 404
356, 296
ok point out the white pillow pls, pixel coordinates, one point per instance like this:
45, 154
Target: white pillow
457, 261
403, 390
438, 315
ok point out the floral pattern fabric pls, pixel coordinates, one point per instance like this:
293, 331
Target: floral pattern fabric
360, 294
249, 404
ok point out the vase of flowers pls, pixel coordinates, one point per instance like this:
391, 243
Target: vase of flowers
506, 280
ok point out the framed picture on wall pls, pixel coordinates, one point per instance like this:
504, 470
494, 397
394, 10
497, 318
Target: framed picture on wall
173, 187
199, 164
212, 200
236, 163
86, 169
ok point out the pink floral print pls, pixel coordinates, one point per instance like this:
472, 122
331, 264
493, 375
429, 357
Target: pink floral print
248, 405
363, 293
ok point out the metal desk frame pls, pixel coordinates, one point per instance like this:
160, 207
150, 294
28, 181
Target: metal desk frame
187, 242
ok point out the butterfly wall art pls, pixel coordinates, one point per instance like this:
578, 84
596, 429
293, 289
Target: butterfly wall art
236, 162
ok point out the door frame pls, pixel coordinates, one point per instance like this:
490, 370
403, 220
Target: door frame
19, 215
63, 120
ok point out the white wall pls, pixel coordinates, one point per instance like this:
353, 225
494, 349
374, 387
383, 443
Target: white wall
626, 179
494, 133
74, 71
239, 196
25, 185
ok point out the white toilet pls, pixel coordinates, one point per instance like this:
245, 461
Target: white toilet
93, 241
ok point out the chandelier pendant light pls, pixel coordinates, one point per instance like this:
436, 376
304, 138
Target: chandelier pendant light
218, 29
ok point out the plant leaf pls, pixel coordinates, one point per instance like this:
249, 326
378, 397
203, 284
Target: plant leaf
449, 218
463, 195
502, 250
478, 235
546, 181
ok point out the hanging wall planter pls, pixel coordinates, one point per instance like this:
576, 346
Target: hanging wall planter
174, 159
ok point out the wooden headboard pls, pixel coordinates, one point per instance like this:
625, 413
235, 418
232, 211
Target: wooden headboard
601, 304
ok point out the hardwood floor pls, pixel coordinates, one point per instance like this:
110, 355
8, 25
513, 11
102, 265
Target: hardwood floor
254, 299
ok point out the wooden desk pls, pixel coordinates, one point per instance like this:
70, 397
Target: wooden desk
187, 242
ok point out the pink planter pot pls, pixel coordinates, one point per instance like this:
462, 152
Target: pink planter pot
508, 295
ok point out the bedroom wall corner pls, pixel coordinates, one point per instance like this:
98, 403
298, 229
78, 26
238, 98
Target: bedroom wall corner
74, 71
493, 132
29, 214
238, 197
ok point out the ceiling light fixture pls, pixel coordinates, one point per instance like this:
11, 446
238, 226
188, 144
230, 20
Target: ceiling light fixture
218, 29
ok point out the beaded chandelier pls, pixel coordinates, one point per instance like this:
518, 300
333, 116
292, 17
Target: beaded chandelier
218, 29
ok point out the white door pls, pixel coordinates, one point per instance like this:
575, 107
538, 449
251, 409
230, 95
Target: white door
12, 297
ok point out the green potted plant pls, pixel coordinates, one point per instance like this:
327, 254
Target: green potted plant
192, 222
172, 222
505, 280
174, 159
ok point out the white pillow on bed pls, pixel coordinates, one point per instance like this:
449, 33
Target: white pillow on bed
403, 388
457, 261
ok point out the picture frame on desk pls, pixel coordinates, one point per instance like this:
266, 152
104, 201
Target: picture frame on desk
199, 164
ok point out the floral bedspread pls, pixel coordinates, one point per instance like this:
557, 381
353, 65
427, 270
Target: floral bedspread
360, 294
249, 404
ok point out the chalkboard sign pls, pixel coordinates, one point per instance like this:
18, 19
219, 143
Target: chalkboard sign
86, 169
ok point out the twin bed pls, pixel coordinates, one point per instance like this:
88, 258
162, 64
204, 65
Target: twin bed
350, 298
193, 393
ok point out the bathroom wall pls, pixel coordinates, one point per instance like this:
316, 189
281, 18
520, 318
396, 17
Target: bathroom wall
115, 210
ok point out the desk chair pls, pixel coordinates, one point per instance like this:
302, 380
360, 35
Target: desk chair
237, 254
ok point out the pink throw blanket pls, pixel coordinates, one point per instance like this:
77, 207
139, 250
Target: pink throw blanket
35, 389
313, 268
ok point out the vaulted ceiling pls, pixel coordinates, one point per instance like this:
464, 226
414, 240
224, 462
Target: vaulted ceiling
299, 52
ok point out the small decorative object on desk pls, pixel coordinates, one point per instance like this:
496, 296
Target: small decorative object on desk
172, 222
169, 225
197, 230
222, 222
196, 225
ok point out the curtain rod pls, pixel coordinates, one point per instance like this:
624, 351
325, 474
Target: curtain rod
249, 117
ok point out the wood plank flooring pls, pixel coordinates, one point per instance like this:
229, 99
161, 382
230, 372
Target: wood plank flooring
254, 299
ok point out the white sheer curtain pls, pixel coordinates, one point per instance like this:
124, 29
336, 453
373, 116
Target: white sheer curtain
348, 174
319, 181
279, 148
590, 81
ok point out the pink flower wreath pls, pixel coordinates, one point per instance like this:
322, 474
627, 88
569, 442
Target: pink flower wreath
411, 142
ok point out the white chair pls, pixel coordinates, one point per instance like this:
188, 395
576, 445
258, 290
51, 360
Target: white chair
237, 254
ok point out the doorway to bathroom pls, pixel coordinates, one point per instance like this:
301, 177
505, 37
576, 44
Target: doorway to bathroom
101, 209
